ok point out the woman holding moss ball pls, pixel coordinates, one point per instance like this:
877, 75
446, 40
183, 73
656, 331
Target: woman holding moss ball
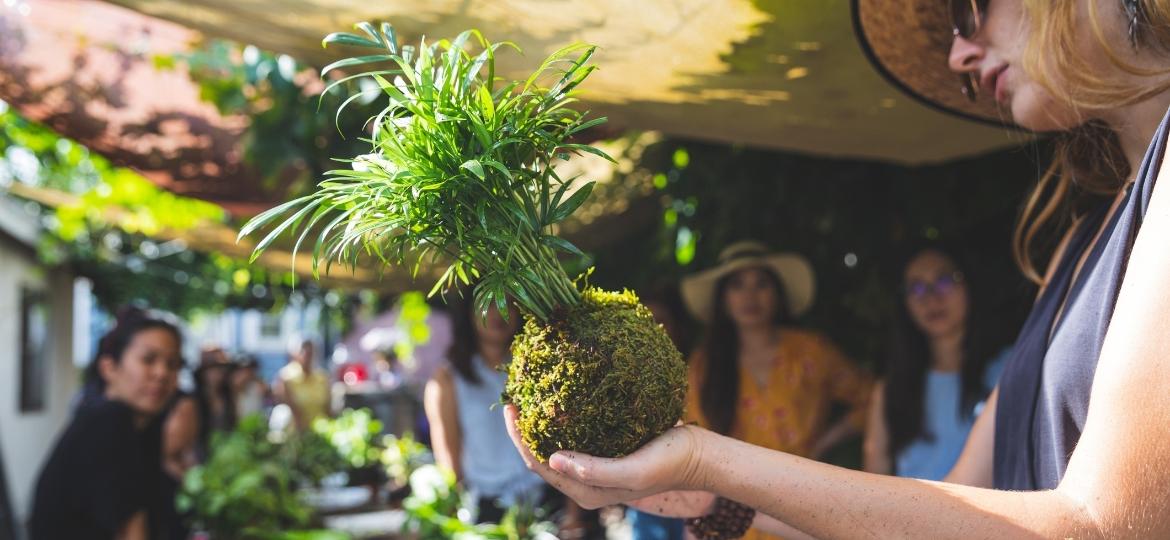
1075, 439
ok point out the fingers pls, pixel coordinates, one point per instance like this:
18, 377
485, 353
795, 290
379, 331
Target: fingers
624, 473
587, 496
551, 476
511, 413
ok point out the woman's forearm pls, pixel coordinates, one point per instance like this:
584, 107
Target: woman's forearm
830, 502
688, 504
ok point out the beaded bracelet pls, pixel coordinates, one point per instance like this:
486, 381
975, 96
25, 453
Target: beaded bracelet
729, 520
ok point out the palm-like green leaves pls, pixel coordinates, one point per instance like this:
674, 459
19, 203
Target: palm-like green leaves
460, 170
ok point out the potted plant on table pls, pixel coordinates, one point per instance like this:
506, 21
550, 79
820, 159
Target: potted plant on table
246, 490
355, 435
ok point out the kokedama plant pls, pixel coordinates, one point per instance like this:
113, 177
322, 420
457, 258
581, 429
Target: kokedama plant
461, 171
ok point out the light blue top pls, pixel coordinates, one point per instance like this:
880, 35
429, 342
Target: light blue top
491, 465
933, 459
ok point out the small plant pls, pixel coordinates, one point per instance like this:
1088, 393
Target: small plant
246, 489
309, 458
461, 170
402, 456
354, 433
433, 513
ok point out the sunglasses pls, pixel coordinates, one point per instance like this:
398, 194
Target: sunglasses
941, 286
966, 20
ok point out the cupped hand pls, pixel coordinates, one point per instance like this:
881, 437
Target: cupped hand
670, 462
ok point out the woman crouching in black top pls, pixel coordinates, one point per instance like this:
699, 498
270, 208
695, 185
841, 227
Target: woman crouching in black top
101, 480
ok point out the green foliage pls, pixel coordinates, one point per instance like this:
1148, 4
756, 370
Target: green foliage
105, 235
310, 457
603, 379
354, 433
413, 312
36, 155
433, 513
459, 168
307, 535
242, 491
401, 456
144, 207
247, 487
286, 141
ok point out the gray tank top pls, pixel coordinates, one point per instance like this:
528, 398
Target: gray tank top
491, 465
1044, 390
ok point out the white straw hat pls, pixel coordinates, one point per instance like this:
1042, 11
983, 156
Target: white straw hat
794, 271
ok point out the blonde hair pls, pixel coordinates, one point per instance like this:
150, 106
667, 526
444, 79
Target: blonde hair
1087, 160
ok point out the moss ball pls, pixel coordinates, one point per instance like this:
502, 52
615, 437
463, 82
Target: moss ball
601, 378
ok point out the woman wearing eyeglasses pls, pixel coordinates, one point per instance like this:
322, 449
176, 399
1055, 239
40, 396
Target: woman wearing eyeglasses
940, 368
1075, 440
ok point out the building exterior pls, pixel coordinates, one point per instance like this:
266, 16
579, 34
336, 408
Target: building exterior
38, 377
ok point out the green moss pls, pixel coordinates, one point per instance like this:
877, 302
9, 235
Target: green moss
601, 378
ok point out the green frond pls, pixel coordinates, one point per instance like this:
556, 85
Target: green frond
459, 168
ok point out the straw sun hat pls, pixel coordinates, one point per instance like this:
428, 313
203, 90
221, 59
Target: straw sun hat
794, 271
909, 42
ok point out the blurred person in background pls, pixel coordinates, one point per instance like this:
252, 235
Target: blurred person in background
180, 437
303, 387
102, 478
250, 394
758, 378
467, 434
217, 410
941, 367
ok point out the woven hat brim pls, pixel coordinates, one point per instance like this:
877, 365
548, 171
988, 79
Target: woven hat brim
794, 271
909, 43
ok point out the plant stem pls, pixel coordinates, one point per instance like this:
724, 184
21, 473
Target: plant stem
558, 290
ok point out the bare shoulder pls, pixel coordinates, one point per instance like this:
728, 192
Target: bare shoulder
184, 414
444, 376
442, 383
439, 396
184, 406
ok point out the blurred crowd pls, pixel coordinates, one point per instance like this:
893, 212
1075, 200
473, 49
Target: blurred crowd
755, 374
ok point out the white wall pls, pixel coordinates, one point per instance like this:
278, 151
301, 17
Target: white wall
27, 438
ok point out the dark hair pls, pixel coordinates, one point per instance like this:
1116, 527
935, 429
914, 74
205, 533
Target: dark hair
463, 345
247, 361
130, 321
223, 391
908, 359
719, 394
466, 336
